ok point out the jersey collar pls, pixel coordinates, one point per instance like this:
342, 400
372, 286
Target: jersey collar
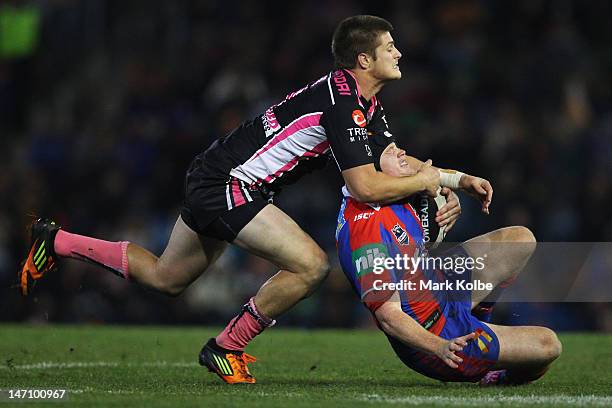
361, 98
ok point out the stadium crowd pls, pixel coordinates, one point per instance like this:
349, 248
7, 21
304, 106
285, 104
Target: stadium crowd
103, 103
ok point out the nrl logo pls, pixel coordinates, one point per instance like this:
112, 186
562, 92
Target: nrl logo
400, 235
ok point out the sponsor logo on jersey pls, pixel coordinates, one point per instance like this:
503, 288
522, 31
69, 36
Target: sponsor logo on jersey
368, 150
423, 211
400, 235
363, 216
270, 123
341, 85
358, 134
363, 258
431, 319
358, 118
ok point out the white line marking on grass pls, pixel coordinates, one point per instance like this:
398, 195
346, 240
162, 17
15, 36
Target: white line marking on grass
46, 365
574, 400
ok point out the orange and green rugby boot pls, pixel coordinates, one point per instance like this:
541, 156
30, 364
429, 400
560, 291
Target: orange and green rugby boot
229, 365
41, 258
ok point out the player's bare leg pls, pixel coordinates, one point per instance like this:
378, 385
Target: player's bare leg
525, 352
185, 258
274, 236
507, 252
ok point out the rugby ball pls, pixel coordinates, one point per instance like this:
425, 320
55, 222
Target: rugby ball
426, 208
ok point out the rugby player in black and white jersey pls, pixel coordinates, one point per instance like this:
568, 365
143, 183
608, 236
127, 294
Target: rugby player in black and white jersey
229, 187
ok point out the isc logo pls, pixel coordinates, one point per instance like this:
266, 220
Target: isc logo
363, 216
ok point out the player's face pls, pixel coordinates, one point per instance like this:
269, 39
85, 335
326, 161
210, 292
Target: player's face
386, 65
393, 162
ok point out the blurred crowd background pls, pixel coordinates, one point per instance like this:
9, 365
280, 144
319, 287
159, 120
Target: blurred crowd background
103, 103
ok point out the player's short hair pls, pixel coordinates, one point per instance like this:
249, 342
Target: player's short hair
355, 35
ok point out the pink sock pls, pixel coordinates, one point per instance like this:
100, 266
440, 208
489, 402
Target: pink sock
109, 255
243, 328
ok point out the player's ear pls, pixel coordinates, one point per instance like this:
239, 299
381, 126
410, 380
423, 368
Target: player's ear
364, 60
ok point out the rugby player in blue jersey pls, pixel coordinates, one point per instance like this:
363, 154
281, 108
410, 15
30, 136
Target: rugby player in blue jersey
435, 323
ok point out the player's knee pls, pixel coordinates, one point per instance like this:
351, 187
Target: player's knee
316, 269
170, 289
514, 234
556, 346
522, 234
550, 344
523, 244
166, 285
174, 291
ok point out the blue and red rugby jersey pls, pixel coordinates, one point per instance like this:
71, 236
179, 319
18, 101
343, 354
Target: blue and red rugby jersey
366, 232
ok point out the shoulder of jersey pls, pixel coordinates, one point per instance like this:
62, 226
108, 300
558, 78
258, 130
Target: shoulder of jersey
341, 85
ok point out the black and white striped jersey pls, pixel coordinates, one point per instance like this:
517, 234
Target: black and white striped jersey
328, 117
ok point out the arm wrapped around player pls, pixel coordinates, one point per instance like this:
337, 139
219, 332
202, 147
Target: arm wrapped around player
394, 161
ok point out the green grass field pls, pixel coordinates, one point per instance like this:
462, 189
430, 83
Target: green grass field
156, 366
